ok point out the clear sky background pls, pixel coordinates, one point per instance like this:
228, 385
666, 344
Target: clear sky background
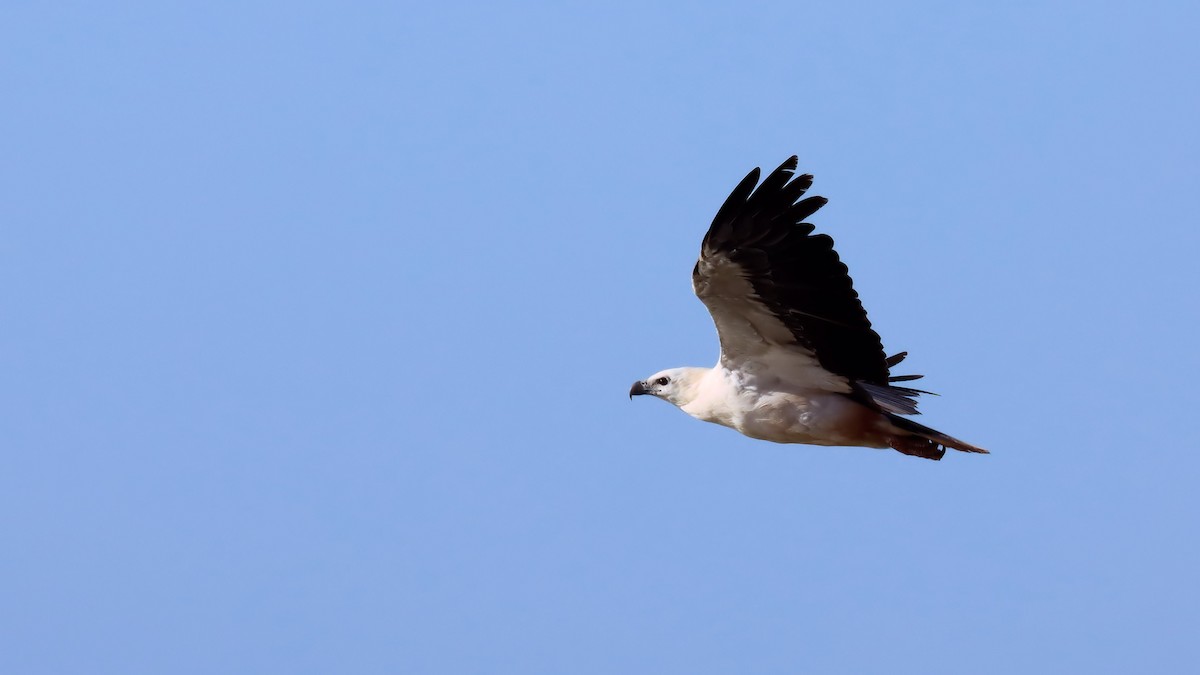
319, 319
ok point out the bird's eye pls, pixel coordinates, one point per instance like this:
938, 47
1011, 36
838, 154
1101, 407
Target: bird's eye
662, 381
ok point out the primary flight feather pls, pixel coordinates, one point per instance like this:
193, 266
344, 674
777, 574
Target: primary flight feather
799, 360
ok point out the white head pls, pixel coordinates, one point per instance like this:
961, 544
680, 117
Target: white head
676, 385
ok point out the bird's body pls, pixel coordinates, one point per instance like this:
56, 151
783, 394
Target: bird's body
799, 360
770, 409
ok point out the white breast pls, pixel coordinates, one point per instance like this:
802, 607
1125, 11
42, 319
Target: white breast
815, 417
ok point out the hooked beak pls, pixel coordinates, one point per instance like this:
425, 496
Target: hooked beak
637, 389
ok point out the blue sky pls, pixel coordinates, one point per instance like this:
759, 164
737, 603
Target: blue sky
320, 319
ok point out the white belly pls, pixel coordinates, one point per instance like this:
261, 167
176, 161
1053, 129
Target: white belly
816, 418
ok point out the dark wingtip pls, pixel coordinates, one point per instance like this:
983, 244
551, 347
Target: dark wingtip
788, 167
733, 203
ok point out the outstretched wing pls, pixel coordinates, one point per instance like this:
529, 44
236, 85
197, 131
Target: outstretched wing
781, 299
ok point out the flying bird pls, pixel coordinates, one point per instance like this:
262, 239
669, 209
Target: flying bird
799, 360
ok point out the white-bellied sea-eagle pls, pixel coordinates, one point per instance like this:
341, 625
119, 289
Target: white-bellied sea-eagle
799, 360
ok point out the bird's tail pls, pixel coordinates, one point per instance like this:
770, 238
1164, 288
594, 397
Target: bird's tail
921, 441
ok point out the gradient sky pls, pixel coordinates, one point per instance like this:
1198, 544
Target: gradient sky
319, 320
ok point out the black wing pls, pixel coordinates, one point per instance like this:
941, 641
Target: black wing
770, 282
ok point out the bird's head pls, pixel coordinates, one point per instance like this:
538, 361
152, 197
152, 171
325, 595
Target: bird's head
676, 385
